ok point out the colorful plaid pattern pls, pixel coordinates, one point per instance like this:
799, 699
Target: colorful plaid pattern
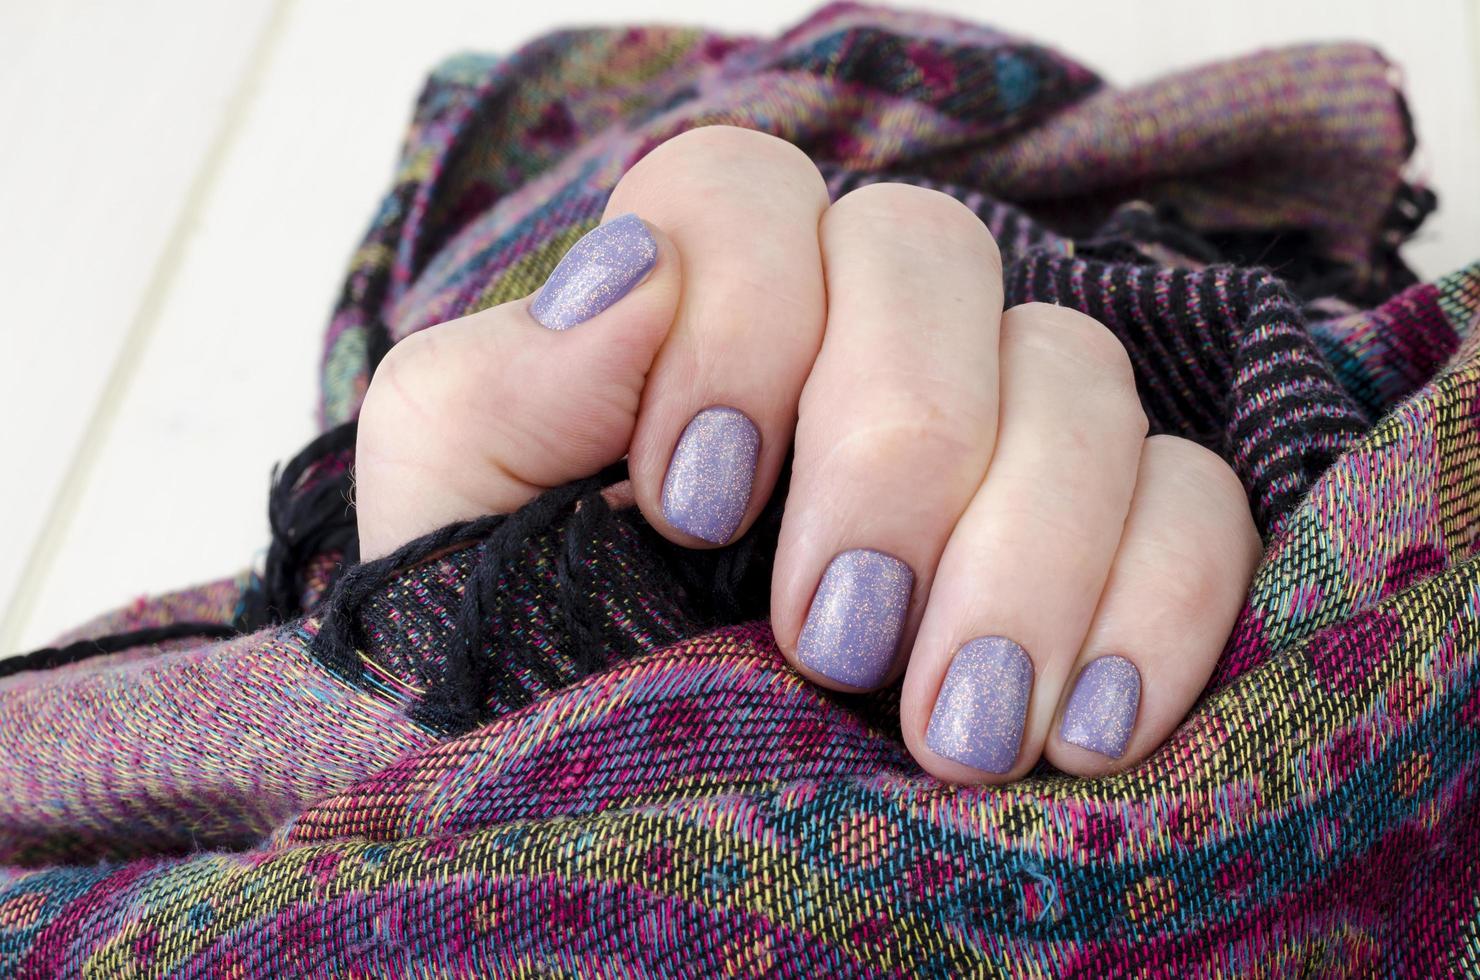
653, 794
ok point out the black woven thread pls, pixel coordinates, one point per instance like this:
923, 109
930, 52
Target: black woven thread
718, 585
307, 519
49, 657
456, 700
463, 689
339, 633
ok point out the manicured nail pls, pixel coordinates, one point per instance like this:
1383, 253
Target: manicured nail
708, 484
598, 270
978, 717
1102, 708
852, 630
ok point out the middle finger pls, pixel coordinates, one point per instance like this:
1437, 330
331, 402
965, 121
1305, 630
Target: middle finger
897, 421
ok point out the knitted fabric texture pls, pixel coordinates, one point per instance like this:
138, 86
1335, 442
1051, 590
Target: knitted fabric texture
552, 744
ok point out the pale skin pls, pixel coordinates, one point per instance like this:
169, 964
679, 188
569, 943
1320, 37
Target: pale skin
1002, 455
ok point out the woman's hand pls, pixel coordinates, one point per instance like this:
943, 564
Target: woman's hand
974, 501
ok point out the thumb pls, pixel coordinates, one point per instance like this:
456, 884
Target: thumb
478, 415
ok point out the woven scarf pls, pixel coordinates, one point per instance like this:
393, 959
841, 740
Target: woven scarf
552, 744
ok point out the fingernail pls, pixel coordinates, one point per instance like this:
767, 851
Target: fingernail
852, 630
1102, 707
707, 487
983, 703
598, 270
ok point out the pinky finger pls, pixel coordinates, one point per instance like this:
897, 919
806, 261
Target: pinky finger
1179, 578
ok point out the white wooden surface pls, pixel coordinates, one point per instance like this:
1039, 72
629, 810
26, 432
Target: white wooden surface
181, 184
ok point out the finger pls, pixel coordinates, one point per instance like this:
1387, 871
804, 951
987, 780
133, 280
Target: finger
1025, 566
721, 402
897, 423
1177, 584
478, 415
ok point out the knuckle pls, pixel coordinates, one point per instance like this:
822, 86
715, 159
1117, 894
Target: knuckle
1024, 525
906, 209
709, 158
1197, 463
727, 142
397, 390
422, 375
908, 433
1186, 581
1206, 477
1097, 364
1195, 555
1071, 335
402, 364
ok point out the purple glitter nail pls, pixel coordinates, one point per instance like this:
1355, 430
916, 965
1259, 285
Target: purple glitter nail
852, 630
1102, 708
598, 270
708, 484
983, 703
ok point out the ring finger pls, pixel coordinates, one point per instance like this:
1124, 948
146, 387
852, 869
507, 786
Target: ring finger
1020, 579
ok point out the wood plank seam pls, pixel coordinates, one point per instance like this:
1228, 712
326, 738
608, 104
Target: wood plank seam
44, 547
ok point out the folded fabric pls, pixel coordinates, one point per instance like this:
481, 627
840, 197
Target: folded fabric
553, 744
